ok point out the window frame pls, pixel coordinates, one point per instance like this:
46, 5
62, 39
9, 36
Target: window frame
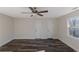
68, 26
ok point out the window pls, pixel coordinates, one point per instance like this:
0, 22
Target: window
74, 27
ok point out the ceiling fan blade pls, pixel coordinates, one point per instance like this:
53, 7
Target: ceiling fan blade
43, 11
32, 9
39, 14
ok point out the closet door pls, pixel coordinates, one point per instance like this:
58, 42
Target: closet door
38, 28
41, 29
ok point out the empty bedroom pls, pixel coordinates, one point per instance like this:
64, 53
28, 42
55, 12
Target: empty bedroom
39, 29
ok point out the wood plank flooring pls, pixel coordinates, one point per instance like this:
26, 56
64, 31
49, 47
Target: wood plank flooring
30, 45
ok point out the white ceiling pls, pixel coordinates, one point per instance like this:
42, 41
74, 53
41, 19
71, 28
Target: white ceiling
52, 11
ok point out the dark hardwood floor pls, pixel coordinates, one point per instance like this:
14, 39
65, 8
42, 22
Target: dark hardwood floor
30, 45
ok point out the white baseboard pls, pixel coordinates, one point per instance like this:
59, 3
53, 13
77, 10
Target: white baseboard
5, 42
69, 45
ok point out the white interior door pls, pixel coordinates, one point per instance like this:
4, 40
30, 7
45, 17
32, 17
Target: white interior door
38, 28
41, 29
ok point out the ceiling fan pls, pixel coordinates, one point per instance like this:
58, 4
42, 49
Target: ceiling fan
34, 10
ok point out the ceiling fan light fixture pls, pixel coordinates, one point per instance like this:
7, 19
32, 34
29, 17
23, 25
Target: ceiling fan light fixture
31, 15
35, 11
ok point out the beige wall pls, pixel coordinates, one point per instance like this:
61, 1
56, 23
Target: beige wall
26, 28
31, 28
63, 30
6, 29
